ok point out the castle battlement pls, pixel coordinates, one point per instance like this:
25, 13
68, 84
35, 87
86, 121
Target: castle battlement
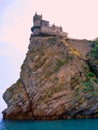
42, 27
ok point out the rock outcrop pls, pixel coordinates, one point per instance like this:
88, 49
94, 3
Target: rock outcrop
56, 82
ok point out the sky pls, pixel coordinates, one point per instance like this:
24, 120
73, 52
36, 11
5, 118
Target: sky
79, 18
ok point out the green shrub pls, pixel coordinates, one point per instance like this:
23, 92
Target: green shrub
87, 86
94, 51
91, 74
95, 80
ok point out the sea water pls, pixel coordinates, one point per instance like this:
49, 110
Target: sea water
77, 124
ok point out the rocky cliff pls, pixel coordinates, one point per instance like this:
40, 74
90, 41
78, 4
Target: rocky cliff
56, 81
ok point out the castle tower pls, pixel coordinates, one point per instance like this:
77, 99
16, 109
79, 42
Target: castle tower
37, 23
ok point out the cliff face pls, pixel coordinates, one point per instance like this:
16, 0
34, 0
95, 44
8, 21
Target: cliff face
56, 81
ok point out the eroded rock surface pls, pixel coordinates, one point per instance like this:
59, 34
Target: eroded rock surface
55, 82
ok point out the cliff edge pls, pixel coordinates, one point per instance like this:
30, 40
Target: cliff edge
56, 82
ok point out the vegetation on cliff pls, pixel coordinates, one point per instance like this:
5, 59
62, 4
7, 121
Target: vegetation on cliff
92, 57
56, 81
94, 51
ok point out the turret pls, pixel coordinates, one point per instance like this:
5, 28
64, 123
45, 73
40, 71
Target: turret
37, 23
37, 19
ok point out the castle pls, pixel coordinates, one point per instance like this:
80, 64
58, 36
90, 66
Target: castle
42, 27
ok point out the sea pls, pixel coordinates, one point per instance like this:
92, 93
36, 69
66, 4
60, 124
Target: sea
76, 124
